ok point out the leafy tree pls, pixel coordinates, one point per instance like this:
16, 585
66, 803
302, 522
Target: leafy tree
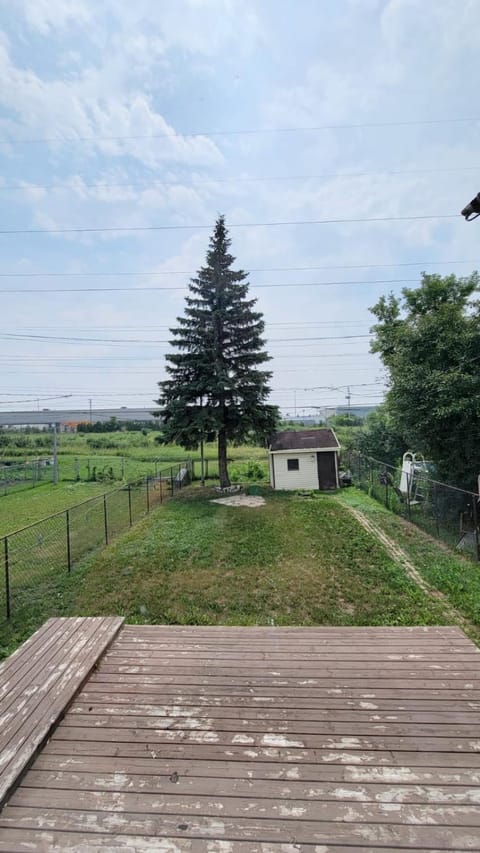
430, 344
380, 438
216, 386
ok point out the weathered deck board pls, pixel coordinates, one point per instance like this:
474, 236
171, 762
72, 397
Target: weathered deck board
262, 739
286, 830
24, 841
39, 681
260, 789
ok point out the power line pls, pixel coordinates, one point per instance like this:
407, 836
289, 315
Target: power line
251, 270
148, 228
153, 374
75, 340
86, 392
310, 324
235, 132
184, 287
45, 359
37, 399
153, 182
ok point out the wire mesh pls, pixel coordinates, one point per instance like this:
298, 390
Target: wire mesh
441, 510
138, 497
116, 512
86, 528
36, 555
25, 475
32, 560
92, 469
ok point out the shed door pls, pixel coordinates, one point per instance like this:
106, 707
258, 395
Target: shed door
327, 474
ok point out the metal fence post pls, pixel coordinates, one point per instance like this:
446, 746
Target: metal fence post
171, 480
130, 504
105, 518
409, 509
475, 522
435, 508
7, 577
148, 496
69, 553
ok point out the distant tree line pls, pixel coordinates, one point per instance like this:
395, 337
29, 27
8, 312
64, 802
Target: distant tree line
114, 425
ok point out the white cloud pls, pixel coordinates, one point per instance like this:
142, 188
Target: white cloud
116, 68
92, 106
49, 15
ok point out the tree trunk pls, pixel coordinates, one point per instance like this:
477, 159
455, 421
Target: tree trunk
222, 460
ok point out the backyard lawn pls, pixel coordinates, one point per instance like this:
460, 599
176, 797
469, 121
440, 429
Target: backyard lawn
294, 561
454, 575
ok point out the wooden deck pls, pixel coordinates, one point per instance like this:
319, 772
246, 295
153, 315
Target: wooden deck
262, 739
39, 680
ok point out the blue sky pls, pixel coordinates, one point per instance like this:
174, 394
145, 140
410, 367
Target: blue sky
184, 76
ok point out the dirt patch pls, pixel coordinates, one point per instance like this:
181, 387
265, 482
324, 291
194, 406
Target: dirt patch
240, 500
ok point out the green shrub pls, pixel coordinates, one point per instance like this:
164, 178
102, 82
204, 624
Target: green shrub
252, 470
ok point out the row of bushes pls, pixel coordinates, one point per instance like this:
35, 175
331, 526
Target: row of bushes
21, 441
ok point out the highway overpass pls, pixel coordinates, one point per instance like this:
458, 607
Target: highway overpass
65, 416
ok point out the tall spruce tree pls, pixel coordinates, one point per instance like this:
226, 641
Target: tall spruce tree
216, 387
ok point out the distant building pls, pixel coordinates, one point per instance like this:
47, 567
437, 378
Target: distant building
358, 411
307, 459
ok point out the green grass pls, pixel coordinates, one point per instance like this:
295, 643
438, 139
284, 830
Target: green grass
451, 573
296, 561
26, 507
142, 456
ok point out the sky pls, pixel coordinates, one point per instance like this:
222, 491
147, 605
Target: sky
159, 115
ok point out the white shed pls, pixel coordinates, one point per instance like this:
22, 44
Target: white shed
307, 459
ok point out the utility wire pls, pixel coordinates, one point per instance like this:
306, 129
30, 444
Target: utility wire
251, 270
183, 287
29, 329
236, 132
75, 340
154, 182
147, 228
37, 399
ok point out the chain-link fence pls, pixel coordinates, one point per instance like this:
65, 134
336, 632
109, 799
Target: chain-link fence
89, 469
92, 469
443, 511
25, 475
33, 558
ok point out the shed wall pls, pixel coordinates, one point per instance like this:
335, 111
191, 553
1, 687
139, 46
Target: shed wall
305, 478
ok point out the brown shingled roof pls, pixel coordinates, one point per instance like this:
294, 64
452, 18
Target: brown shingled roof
305, 439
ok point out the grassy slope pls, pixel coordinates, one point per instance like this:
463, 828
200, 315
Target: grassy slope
295, 561
456, 576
